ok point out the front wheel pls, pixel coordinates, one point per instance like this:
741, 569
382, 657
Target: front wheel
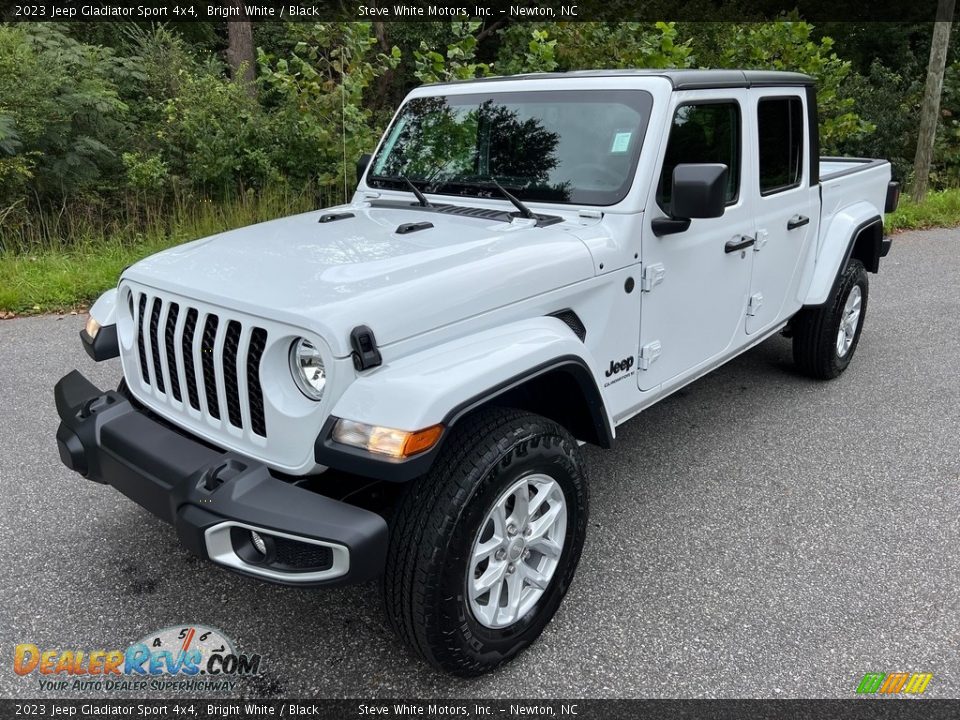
484, 548
825, 338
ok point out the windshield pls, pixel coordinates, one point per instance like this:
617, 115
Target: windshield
578, 147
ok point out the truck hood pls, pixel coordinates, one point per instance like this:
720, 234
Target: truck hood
330, 277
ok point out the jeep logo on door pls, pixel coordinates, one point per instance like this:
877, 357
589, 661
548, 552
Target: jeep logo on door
618, 367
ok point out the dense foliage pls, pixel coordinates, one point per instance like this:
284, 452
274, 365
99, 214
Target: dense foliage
112, 126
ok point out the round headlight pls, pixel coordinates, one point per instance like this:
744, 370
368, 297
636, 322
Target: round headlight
307, 368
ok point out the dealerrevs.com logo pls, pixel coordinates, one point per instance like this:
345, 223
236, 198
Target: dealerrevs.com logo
188, 658
894, 683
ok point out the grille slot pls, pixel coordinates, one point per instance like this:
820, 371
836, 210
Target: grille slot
189, 330
230, 346
170, 344
208, 342
155, 345
258, 342
141, 347
185, 331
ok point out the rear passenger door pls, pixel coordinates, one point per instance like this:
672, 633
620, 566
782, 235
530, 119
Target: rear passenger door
782, 197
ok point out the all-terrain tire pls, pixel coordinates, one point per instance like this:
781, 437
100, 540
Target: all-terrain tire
440, 519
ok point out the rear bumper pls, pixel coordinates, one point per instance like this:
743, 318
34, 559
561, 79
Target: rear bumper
215, 498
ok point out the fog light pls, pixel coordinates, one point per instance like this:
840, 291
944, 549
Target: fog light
258, 542
93, 327
386, 441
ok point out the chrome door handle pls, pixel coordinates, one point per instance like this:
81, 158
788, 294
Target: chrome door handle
741, 243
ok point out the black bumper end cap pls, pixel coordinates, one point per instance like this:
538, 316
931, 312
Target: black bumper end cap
885, 246
71, 450
104, 346
72, 391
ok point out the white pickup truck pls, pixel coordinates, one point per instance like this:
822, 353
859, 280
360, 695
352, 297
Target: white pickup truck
399, 387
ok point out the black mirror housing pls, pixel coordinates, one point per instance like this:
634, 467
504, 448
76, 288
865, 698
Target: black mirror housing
699, 191
362, 163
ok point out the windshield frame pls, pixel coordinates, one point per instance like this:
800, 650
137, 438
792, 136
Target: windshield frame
638, 99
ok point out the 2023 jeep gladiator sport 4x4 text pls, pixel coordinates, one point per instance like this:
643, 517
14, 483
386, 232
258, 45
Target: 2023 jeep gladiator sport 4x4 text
399, 387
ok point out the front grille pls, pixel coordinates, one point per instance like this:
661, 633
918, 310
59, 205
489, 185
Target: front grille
174, 344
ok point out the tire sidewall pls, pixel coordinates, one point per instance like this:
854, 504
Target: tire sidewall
536, 453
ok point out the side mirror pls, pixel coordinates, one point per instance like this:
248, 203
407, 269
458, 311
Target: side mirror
698, 191
362, 165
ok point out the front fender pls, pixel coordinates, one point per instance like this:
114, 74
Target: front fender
835, 249
442, 384
428, 387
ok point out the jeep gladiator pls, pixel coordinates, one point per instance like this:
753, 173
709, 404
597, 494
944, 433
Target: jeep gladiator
399, 387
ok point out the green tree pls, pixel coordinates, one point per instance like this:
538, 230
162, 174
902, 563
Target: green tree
791, 46
459, 62
586, 45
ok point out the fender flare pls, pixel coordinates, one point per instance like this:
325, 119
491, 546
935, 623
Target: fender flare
445, 383
837, 248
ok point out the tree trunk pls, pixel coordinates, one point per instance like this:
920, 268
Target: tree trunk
930, 109
240, 50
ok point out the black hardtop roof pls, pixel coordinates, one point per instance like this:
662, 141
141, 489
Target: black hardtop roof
680, 79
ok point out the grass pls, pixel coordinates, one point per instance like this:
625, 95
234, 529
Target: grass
45, 274
939, 209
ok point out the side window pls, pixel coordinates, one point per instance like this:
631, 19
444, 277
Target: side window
703, 133
780, 133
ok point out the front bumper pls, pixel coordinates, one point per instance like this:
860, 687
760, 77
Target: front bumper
214, 498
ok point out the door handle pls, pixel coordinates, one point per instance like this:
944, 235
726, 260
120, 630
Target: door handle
797, 221
740, 243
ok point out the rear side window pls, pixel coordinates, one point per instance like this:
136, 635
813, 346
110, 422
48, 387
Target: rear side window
703, 133
780, 133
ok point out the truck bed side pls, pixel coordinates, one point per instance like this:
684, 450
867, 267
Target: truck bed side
853, 194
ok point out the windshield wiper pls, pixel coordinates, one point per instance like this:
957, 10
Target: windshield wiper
421, 198
525, 212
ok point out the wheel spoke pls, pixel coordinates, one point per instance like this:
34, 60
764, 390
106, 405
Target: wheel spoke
514, 587
545, 546
486, 549
544, 491
541, 526
534, 577
499, 517
521, 506
488, 581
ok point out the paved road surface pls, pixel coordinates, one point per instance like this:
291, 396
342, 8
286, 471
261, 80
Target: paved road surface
757, 534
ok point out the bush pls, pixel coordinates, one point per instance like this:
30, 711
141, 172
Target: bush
62, 114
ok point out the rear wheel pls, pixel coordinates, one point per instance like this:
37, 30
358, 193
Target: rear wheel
484, 548
825, 338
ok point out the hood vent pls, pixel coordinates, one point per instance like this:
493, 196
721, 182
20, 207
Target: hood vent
333, 217
408, 228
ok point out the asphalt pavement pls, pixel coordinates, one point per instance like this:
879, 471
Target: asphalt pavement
757, 534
